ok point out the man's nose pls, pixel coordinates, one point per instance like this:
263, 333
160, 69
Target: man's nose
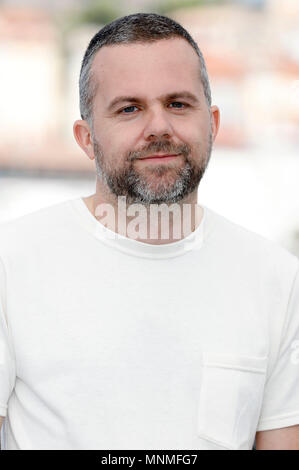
157, 124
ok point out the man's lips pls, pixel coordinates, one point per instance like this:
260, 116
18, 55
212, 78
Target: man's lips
158, 157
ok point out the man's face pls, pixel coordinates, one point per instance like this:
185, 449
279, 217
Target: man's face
150, 121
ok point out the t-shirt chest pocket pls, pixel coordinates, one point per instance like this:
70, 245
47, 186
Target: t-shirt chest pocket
230, 399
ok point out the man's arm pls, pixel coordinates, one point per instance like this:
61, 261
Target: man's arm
278, 439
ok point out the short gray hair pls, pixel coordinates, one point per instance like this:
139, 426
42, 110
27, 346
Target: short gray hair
139, 27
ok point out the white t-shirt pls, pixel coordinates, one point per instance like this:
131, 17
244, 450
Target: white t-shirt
111, 343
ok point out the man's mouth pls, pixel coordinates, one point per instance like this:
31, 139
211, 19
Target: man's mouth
159, 158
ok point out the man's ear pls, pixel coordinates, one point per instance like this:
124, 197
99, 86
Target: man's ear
83, 136
215, 120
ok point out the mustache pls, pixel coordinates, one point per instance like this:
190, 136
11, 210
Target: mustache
159, 146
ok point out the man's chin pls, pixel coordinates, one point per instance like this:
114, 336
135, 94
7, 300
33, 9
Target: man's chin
163, 184
160, 184
158, 195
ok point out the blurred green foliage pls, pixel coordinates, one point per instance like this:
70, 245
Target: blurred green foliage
166, 6
99, 12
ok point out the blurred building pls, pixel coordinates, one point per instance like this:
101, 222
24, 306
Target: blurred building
34, 94
252, 57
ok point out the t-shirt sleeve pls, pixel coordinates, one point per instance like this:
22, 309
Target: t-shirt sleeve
7, 361
280, 406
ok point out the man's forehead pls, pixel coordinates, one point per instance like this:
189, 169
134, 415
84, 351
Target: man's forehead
130, 69
116, 55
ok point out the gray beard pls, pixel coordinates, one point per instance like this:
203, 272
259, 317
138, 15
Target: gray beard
134, 186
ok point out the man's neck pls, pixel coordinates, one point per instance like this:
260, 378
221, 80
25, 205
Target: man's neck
145, 223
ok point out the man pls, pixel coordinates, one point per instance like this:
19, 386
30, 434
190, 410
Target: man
125, 331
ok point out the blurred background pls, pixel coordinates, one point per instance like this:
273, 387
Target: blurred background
252, 53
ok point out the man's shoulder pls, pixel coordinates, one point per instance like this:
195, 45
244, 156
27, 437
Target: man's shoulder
36, 226
244, 245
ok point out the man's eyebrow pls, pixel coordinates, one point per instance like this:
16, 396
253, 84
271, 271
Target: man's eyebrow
170, 96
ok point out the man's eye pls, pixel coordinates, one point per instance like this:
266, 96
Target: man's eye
128, 107
179, 102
